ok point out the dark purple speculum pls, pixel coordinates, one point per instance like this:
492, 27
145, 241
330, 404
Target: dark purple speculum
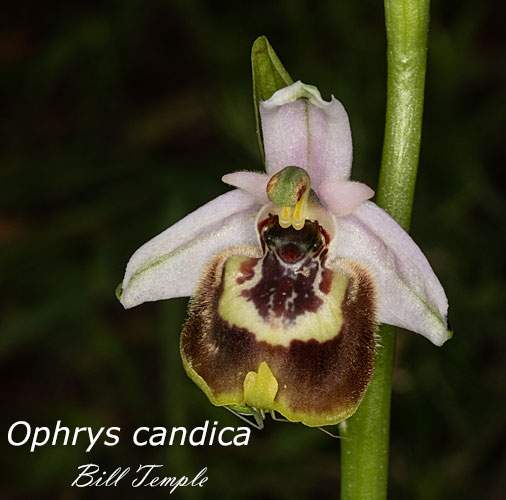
292, 265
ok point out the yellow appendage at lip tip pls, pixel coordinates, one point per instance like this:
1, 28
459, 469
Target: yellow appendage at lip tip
260, 388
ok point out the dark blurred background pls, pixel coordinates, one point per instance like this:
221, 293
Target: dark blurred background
118, 118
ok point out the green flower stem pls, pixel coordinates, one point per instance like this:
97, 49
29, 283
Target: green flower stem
407, 23
364, 457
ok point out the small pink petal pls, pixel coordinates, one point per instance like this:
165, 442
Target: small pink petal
254, 183
342, 197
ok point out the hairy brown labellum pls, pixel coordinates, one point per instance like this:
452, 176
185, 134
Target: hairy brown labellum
283, 328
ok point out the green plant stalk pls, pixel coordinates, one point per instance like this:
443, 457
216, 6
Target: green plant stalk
364, 457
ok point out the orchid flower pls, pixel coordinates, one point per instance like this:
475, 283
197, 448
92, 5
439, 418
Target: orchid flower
290, 273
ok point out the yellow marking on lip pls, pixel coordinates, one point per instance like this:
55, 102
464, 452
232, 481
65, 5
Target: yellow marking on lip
322, 325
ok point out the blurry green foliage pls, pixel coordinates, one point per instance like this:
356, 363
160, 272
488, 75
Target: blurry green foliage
118, 118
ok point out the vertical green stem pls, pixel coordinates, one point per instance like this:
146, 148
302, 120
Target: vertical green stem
364, 458
407, 23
